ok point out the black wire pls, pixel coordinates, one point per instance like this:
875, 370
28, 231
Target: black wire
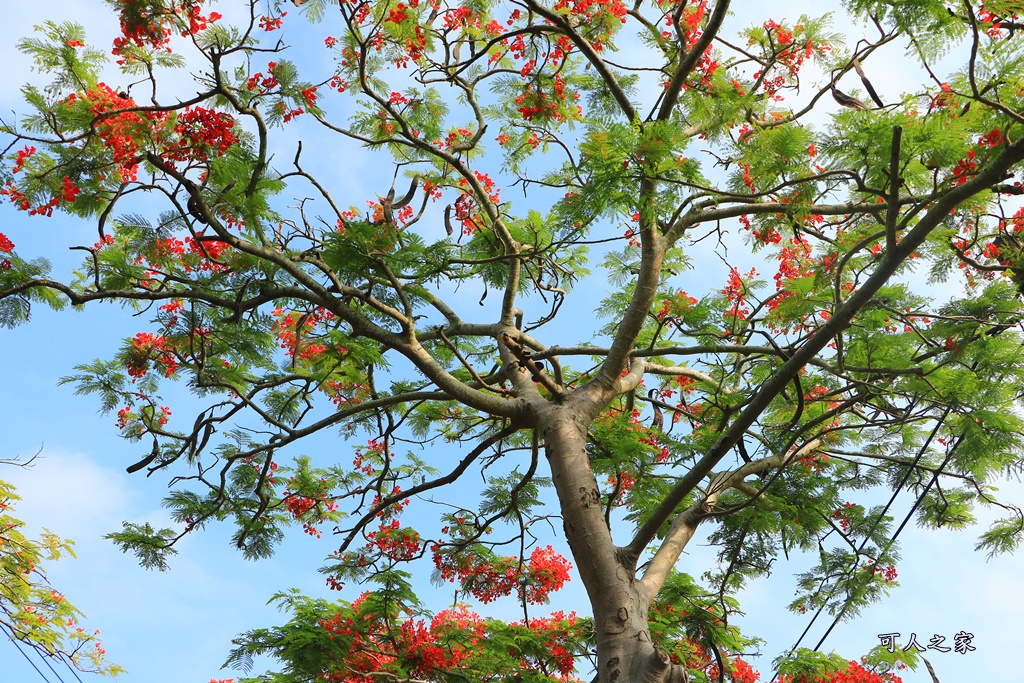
892, 499
896, 534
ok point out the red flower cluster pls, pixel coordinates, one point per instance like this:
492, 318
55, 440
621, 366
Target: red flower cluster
544, 573
814, 461
965, 169
123, 416
149, 24
201, 131
339, 83
376, 644
270, 24
263, 84
735, 292
398, 14
742, 672
788, 55
993, 138
748, 179
299, 507
186, 251
372, 446
842, 515
420, 649
588, 11
853, 673
795, 262
996, 30
142, 28
309, 95
293, 332
677, 305
818, 392
535, 104
69, 191
124, 133
548, 572
396, 543
23, 154
147, 347
622, 483
197, 22
554, 630
888, 574
456, 18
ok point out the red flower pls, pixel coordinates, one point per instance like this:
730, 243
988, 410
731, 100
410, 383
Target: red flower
993, 138
269, 24
22, 155
70, 190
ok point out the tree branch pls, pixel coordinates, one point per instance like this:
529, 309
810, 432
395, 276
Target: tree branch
840, 319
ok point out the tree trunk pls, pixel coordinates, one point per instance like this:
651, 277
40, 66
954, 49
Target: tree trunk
625, 651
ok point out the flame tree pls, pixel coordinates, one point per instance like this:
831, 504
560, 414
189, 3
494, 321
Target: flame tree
525, 137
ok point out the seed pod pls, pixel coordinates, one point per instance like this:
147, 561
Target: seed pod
193, 209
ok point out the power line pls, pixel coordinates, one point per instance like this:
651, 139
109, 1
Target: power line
46, 660
892, 539
73, 671
913, 508
3, 629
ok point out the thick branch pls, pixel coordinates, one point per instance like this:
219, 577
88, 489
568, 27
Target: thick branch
684, 526
893, 208
840, 320
690, 60
604, 386
592, 56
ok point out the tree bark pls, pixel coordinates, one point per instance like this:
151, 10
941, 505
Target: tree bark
625, 651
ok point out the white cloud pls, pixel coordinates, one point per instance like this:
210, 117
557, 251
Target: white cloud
69, 493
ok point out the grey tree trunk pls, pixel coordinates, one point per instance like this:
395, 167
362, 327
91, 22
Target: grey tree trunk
626, 653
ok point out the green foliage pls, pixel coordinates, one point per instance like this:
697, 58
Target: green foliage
767, 361
804, 663
33, 612
319, 639
688, 617
150, 546
54, 52
1003, 536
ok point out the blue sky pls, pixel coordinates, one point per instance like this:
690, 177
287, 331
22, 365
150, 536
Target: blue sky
177, 626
